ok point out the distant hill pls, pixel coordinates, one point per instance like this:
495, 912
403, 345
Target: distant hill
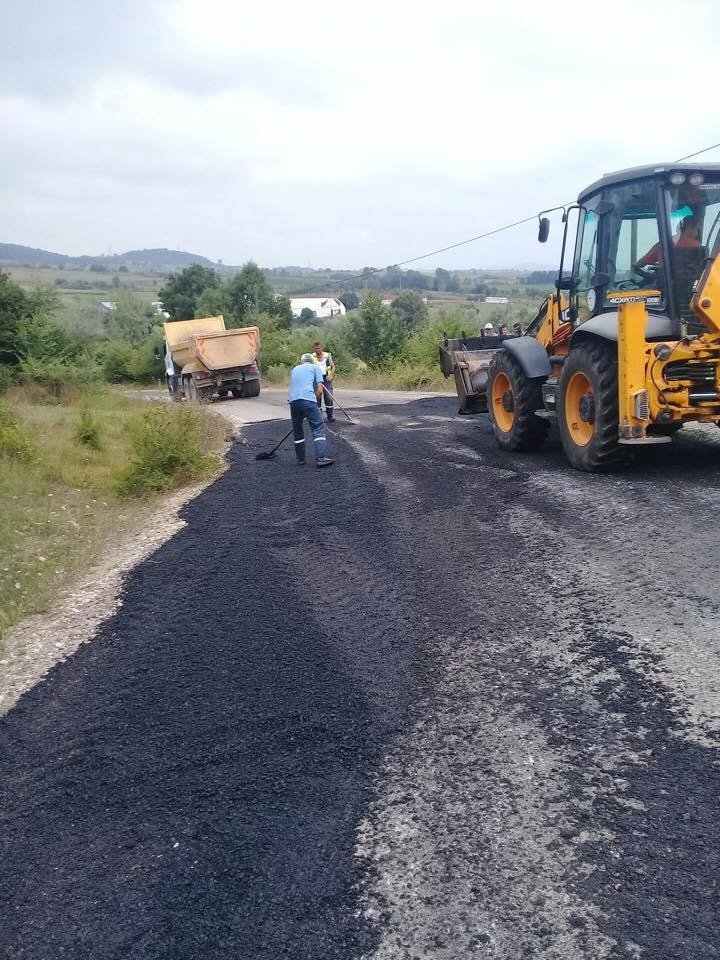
16, 255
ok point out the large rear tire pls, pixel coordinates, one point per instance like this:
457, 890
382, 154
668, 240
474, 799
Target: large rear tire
513, 400
588, 406
173, 388
191, 391
251, 388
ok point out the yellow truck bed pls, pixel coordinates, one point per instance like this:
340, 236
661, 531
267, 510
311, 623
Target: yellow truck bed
206, 341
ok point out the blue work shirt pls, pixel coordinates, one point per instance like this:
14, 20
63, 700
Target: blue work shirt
303, 378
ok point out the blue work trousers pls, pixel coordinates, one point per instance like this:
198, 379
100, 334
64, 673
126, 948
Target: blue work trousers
329, 405
301, 410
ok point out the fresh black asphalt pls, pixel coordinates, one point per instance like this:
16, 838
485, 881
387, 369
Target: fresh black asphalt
190, 784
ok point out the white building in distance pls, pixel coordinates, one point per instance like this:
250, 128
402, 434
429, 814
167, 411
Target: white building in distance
321, 306
496, 299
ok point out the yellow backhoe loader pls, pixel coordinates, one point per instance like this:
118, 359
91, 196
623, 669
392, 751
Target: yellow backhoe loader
627, 348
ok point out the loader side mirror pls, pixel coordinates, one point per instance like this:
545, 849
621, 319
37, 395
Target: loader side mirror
543, 230
567, 282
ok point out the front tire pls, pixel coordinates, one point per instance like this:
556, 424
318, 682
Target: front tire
513, 400
588, 406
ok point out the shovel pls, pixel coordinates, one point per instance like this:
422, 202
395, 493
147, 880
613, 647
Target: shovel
270, 454
332, 397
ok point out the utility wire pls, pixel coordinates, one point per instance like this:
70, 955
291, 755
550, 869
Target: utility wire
697, 154
480, 236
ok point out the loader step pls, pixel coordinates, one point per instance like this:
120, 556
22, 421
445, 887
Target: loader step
644, 441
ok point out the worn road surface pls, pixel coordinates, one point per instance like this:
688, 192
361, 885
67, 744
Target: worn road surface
273, 403
434, 703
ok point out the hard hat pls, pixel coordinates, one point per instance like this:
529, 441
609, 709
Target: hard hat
307, 358
488, 326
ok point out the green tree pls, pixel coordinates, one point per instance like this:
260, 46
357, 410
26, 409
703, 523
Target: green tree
412, 309
349, 300
15, 307
212, 302
20, 313
249, 294
131, 320
181, 291
376, 333
307, 315
441, 279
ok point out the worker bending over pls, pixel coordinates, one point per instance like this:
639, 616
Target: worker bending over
306, 390
327, 368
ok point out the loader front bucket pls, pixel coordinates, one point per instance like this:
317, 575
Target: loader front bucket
467, 359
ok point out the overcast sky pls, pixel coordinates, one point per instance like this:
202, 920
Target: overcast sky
328, 134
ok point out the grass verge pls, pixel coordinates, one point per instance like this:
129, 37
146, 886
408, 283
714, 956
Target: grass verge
77, 474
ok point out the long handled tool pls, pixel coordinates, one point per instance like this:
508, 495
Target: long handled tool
268, 455
332, 397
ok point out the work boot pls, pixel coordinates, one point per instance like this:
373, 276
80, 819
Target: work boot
331, 419
324, 462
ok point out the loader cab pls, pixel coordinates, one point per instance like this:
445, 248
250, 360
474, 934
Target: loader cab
644, 229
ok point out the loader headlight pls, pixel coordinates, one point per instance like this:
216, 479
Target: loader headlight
677, 178
662, 351
696, 179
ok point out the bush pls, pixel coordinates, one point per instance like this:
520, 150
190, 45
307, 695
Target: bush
7, 377
57, 378
165, 448
376, 333
87, 431
116, 359
13, 443
278, 373
412, 376
123, 363
422, 348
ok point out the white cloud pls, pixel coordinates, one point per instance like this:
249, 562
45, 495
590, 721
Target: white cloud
328, 135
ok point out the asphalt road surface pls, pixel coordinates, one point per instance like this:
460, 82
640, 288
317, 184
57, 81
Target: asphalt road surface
435, 702
273, 403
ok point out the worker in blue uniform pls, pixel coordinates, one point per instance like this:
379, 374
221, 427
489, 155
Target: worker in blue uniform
306, 390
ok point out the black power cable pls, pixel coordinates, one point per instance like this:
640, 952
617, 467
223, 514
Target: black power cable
462, 243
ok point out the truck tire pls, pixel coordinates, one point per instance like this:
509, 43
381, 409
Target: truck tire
588, 406
251, 388
191, 391
513, 400
173, 390
237, 393
223, 393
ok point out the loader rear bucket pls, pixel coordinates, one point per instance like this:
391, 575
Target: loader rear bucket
467, 359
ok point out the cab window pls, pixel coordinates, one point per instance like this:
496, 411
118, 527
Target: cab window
634, 249
586, 262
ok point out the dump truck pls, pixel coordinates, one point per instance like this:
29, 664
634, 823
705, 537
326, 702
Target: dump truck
626, 349
203, 359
